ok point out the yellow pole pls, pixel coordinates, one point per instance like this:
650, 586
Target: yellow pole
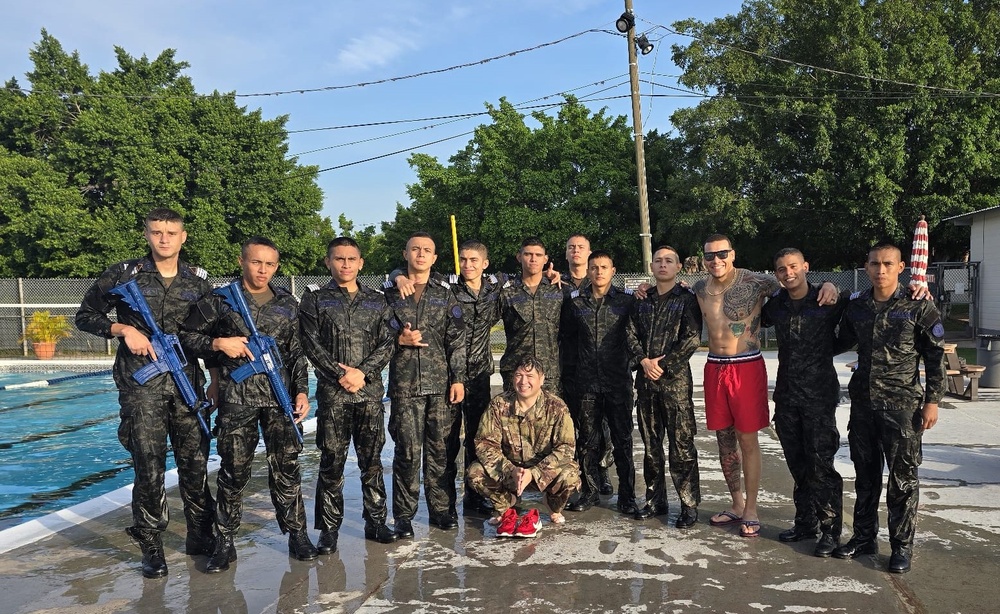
454, 244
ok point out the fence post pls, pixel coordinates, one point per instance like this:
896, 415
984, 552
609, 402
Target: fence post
291, 282
24, 315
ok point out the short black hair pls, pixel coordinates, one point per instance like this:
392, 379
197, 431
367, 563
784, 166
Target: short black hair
532, 241
788, 251
668, 248
885, 245
342, 242
163, 214
530, 363
594, 255
712, 238
478, 246
258, 240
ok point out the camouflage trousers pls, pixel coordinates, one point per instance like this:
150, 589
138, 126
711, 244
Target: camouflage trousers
238, 432
592, 412
810, 439
607, 454
427, 429
477, 398
670, 414
147, 422
502, 493
336, 425
894, 436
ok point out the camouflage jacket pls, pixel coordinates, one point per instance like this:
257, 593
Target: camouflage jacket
419, 371
601, 360
169, 305
891, 339
336, 329
531, 325
212, 318
568, 352
807, 343
669, 326
542, 439
479, 312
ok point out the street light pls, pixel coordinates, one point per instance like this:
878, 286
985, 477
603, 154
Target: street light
642, 43
626, 25
626, 22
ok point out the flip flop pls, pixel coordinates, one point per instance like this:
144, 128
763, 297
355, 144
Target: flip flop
750, 528
730, 518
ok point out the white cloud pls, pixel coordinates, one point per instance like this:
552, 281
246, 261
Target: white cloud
375, 49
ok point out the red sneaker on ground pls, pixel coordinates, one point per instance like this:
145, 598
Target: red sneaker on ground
529, 524
508, 523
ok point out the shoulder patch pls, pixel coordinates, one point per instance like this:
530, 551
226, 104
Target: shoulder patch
776, 293
200, 272
388, 284
574, 293
629, 291
506, 284
938, 330
445, 284
312, 287
493, 278
453, 278
855, 295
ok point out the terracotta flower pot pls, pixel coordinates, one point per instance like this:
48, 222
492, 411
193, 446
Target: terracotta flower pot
44, 350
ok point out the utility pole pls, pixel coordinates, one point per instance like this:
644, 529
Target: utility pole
640, 157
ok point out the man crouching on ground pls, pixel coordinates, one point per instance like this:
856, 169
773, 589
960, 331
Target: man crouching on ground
526, 438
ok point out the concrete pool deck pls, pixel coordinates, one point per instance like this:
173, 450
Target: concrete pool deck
598, 562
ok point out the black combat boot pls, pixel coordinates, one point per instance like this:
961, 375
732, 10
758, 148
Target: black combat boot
154, 563
224, 554
300, 547
327, 542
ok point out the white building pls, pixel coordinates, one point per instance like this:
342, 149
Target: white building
984, 247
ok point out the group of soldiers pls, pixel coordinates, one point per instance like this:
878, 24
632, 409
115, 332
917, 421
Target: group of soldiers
573, 343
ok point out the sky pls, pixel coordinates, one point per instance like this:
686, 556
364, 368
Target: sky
261, 46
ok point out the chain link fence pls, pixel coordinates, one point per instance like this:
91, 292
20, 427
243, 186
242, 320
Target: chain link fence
20, 298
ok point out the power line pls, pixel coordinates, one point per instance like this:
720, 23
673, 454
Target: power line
330, 88
833, 71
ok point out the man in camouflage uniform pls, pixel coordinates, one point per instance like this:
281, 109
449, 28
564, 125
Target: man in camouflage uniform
217, 333
575, 278
597, 317
426, 384
526, 437
153, 412
477, 293
805, 400
890, 409
345, 336
665, 332
531, 309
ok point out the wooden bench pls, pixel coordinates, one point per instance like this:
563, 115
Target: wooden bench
957, 372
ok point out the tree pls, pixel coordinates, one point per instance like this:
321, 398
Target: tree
140, 137
795, 148
574, 173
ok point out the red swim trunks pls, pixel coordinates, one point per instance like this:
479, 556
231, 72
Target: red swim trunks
736, 392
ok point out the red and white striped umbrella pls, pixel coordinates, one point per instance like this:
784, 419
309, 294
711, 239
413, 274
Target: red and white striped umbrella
918, 257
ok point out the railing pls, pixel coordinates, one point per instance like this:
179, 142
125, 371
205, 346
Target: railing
955, 283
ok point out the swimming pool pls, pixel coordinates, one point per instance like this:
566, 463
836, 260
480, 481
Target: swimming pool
58, 445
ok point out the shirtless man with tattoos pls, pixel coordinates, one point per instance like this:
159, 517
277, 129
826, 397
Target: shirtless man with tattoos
735, 377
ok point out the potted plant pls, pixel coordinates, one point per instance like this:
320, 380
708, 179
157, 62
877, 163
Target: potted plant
44, 330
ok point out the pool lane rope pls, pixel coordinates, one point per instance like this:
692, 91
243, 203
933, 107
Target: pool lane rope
55, 380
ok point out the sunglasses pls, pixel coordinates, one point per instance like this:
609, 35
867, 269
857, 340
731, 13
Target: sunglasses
722, 254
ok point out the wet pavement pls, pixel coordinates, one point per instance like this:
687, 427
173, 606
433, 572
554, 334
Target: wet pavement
598, 562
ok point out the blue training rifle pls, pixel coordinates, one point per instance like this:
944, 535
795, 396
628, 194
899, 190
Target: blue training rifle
169, 354
266, 357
